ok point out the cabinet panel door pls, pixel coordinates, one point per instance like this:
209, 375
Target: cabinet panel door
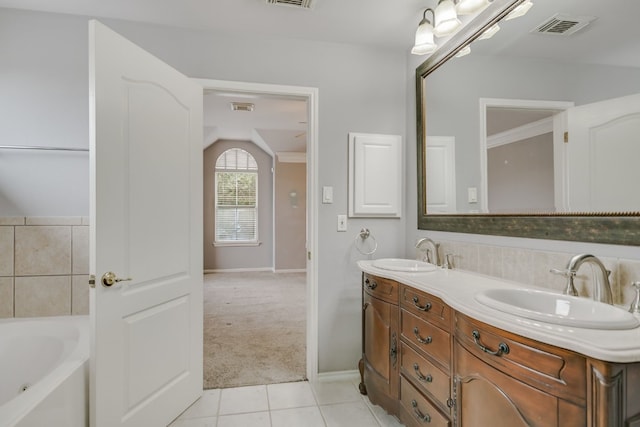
485, 396
381, 346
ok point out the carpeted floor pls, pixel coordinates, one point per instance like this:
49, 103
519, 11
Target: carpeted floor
254, 328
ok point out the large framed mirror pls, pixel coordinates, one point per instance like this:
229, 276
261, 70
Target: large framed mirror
536, 132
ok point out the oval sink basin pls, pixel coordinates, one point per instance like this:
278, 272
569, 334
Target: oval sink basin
559, 309
407, 265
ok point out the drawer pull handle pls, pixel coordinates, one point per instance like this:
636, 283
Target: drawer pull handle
421, 377
425, 307
502, 347
371, 285
419, 415
421, 340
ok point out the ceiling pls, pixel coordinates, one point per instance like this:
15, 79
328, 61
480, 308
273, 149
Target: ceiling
280, 124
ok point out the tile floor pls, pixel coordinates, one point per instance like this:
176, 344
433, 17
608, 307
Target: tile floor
327, 403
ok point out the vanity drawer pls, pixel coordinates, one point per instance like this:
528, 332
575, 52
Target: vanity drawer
416, 410
426, 337
425, 375
426, 307
379, 287
554, 370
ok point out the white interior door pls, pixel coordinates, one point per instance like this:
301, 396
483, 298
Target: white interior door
441, 174
146, 227
602, 155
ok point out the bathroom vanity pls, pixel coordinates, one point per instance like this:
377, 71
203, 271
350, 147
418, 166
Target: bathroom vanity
433, 355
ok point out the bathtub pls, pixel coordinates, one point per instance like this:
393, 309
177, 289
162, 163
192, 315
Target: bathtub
44, 371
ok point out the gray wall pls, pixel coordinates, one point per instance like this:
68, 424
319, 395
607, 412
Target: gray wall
520, 176
239, 257
361, 89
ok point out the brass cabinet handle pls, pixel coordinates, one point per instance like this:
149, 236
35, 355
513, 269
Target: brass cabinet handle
502, 347
421, 377
419, 415
371, 285
421, 340
425, 307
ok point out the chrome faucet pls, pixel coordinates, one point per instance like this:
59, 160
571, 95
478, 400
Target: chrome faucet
436, 250
601, 285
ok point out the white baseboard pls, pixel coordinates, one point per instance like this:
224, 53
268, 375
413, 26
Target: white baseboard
339, 376
291, 270
237, 270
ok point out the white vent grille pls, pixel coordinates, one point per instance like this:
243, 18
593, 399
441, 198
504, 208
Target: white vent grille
302, 4
563, 25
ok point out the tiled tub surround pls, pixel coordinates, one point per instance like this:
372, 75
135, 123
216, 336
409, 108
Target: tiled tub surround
532, 267
44, 266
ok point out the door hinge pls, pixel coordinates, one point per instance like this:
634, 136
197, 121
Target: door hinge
566, 137
92, 281
309, 256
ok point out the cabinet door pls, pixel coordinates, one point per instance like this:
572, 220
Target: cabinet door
485, 396
381, 343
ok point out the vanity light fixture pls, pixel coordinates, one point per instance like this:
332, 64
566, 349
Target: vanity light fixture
469, 7
424, 36
446, 18
489, 32
520, 10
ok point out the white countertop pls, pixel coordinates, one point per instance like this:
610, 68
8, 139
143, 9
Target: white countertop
457, 288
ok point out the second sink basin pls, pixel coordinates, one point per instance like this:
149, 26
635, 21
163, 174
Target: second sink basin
559, 309
408, 265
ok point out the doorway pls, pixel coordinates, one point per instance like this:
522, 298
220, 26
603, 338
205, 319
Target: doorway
294, 196
513, 133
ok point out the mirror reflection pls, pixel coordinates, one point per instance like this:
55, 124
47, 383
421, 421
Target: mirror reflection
543, 117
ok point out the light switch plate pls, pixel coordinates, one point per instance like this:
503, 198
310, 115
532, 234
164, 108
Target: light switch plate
472, 193
327, 194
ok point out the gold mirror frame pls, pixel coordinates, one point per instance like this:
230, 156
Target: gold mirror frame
608, 228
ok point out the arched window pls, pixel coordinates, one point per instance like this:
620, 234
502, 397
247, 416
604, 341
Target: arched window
236, 204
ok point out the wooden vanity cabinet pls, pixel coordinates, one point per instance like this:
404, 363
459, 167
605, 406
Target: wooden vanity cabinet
430, 365
380, 365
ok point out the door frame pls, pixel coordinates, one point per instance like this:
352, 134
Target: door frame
558, 129
311, 95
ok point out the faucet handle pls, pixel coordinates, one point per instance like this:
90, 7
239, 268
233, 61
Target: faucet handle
564, 273
448, 261
635, 305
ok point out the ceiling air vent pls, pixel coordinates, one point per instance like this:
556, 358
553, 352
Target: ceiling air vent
241, 106
563, 25
302, 4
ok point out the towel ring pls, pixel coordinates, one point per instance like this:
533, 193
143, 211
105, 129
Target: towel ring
362, 236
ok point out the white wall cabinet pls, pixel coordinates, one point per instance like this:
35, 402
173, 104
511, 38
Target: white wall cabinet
375, 175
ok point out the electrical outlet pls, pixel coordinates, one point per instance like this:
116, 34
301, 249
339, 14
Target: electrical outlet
342, 223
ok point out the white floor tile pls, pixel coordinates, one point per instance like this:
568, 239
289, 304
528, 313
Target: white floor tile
328, 392
243, 399
290, 395
254, 419
206, 406
384, 419
194, 422
297, 417
352, 414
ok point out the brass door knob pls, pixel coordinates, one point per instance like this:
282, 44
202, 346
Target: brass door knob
109, 278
